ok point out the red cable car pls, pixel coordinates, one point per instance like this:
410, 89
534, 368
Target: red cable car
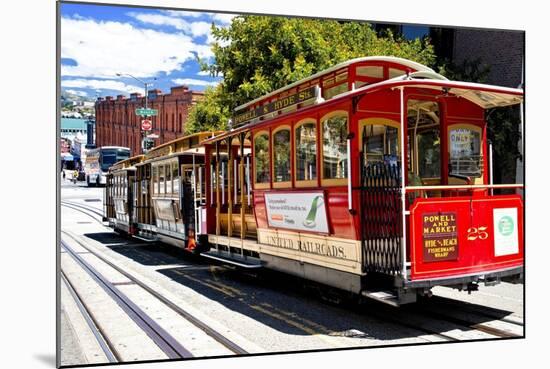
372, 176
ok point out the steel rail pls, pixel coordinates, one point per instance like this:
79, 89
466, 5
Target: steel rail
106, 345
76, 208
469, 324
168, 344
233, 347
89, 208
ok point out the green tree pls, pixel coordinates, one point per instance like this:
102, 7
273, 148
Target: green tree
259, 54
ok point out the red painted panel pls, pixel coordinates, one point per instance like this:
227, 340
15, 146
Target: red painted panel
456, 236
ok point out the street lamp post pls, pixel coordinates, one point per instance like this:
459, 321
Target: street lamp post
146, 86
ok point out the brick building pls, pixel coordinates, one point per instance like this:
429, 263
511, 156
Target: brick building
118, 125
502, 51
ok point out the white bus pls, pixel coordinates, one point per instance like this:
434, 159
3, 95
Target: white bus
98, 161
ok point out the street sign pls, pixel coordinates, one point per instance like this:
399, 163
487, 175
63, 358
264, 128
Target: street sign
146, 125
146, 112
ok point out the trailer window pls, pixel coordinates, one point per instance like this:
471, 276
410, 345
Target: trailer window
281, 156
175, 177
335, 153
465, 151
306, 152
168, 175
261, 158
155, 180
161, 179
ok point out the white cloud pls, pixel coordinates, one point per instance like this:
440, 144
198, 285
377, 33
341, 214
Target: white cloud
182, 13
193, 82
105, 84
223, 18
216, 17
77, 93
102, 49
196, 29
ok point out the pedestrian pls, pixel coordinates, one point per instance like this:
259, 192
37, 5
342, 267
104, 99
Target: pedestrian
62, 171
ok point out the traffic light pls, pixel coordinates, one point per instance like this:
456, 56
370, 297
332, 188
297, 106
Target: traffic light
148, 144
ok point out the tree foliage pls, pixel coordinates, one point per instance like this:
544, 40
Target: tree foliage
259, 54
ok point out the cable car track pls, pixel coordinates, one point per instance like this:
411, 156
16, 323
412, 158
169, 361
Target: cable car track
233, 347
102, 339
170, 346
82, 209
498, 333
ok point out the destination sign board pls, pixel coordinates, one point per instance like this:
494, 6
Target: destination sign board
244, 115
440, 236
146, 112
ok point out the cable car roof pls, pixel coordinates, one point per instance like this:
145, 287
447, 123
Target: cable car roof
483, 95
405, 62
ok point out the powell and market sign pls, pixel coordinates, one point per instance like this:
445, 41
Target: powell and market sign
244, 115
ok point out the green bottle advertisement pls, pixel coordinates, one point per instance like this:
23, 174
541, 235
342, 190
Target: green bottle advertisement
309, 222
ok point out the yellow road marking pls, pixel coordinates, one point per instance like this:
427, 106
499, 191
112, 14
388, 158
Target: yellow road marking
300, 326
222, 290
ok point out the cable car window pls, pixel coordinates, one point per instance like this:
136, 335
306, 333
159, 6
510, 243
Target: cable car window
261, 158
155, 180
161, 179
393, 72
175, 177
429, 164
335, 152
465, 152
381, 143
328, 93
168, 174
423, 123
281, 156
306, 152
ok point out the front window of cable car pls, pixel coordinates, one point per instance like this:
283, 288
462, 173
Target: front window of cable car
424, 128
465, 151
381, 144
429, 164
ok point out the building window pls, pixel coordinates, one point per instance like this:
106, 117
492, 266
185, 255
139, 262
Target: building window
281, 155
335, 153
306, 152
261, 158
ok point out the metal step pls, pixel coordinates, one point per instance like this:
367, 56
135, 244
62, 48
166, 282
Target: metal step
234, 259
145, 238
387, 297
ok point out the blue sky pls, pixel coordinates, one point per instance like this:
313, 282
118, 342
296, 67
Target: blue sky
157, 46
